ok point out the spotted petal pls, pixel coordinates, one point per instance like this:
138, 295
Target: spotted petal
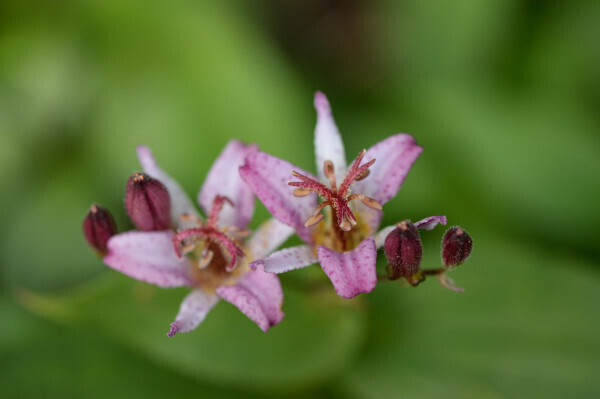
430, 222
180, 202
150, 257
426, 224
395, 156
287, 259
268, 176
224, 179
193, 311
258, 295
351, 272
328, 141
268, 237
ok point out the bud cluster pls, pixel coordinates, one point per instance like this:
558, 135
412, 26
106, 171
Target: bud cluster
147, 203
404, 252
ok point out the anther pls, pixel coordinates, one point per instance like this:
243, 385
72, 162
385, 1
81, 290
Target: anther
329, 171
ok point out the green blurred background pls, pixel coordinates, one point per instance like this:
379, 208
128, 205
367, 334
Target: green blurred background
502, 94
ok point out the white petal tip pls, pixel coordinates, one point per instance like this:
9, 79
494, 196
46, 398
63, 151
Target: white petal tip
321, 103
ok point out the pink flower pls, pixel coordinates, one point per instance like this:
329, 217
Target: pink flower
210, 256
344, 240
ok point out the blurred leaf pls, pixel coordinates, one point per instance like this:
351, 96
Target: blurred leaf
62, 363
316, 341
523, 328
516, 160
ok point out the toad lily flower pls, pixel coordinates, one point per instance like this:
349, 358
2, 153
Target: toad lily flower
344, 240
210, 256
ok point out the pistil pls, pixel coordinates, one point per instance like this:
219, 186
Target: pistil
188, 240
337, 197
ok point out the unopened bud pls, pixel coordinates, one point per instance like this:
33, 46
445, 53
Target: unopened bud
98, 227
456, 247
148, 203
404, 251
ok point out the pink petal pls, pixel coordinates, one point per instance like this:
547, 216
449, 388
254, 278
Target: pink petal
430, 222
268, 176
193, 311
150, 257
328, 141
224, 179
258, 295
287, 259
268, 237
395, 155
180, 202
426, 224
351, 272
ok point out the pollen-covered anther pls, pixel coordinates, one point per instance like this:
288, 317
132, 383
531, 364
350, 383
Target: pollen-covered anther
335, 196
368, 201
205, 258
301, 192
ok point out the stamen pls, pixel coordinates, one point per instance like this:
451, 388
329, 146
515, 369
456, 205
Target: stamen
317, 216
313, 220
206, 258
301, 192
188, 217
329, 171
368, 201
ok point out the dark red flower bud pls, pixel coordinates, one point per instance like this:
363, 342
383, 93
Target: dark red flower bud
456, 247
98, 227
148, 203
404, 251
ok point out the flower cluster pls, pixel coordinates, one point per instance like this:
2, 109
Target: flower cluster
336, 214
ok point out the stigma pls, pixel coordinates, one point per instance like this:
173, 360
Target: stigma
336, 196
207, 238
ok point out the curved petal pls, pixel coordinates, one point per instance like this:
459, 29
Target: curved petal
224, 179
430, 222
328, 141
426, 224
258, 295
148, 256
268, 176
351, 272
287, 259
268, 237
395, 155
180, 202
192, 311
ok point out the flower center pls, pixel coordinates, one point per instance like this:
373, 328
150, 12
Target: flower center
337, 197
215, 253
